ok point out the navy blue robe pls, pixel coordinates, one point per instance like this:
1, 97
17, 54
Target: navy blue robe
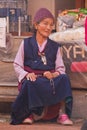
33, 96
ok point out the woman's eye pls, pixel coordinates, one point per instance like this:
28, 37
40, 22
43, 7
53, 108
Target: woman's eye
45, 23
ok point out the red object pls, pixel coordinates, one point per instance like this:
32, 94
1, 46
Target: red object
52, 112
79, 66
86, 31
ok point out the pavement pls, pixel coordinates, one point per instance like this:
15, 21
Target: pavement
5, 125
38, 126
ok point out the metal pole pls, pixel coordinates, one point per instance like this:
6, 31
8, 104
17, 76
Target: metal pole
19, 26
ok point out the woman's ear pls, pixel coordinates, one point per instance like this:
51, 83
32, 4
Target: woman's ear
35, 25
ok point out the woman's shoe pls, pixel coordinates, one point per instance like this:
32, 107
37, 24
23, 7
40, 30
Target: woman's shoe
64, 120
28, 120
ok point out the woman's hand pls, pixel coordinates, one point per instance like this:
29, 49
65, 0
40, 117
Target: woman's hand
31, 76
50, 75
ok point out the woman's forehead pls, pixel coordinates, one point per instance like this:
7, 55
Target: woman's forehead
47, 20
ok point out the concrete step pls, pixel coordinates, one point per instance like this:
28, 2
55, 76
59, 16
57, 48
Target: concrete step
8, 94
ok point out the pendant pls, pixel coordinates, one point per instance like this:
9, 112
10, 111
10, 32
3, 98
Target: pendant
44, 60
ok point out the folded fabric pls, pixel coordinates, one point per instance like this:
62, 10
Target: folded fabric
79, 66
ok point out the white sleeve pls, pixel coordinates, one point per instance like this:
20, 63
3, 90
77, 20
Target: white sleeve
59, 65
19, 63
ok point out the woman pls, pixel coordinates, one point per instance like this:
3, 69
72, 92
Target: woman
41, 74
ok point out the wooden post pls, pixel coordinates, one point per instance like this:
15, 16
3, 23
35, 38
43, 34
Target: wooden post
85, 3
80, 3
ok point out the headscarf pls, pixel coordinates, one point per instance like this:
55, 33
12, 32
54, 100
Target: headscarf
41, 14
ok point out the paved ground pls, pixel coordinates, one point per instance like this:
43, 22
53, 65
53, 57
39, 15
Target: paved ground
38, 126
5, 125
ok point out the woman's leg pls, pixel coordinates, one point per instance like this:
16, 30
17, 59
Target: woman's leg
68, 106
65, 112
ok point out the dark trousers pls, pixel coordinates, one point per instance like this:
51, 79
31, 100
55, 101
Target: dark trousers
68, 106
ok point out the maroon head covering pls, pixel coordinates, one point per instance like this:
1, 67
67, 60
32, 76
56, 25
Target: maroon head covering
41, 14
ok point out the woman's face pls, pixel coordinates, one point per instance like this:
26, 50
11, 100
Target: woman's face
45, 27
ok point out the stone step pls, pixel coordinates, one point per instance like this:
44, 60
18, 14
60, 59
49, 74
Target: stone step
8, 93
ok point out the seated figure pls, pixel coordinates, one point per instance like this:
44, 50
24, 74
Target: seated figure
44, 87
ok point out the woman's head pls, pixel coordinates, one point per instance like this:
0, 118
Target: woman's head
43, 22
41, 14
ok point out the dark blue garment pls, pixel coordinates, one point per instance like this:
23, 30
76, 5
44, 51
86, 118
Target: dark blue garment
33, 60
39, 94
34, 96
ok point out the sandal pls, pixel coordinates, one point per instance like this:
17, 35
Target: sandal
64, 120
